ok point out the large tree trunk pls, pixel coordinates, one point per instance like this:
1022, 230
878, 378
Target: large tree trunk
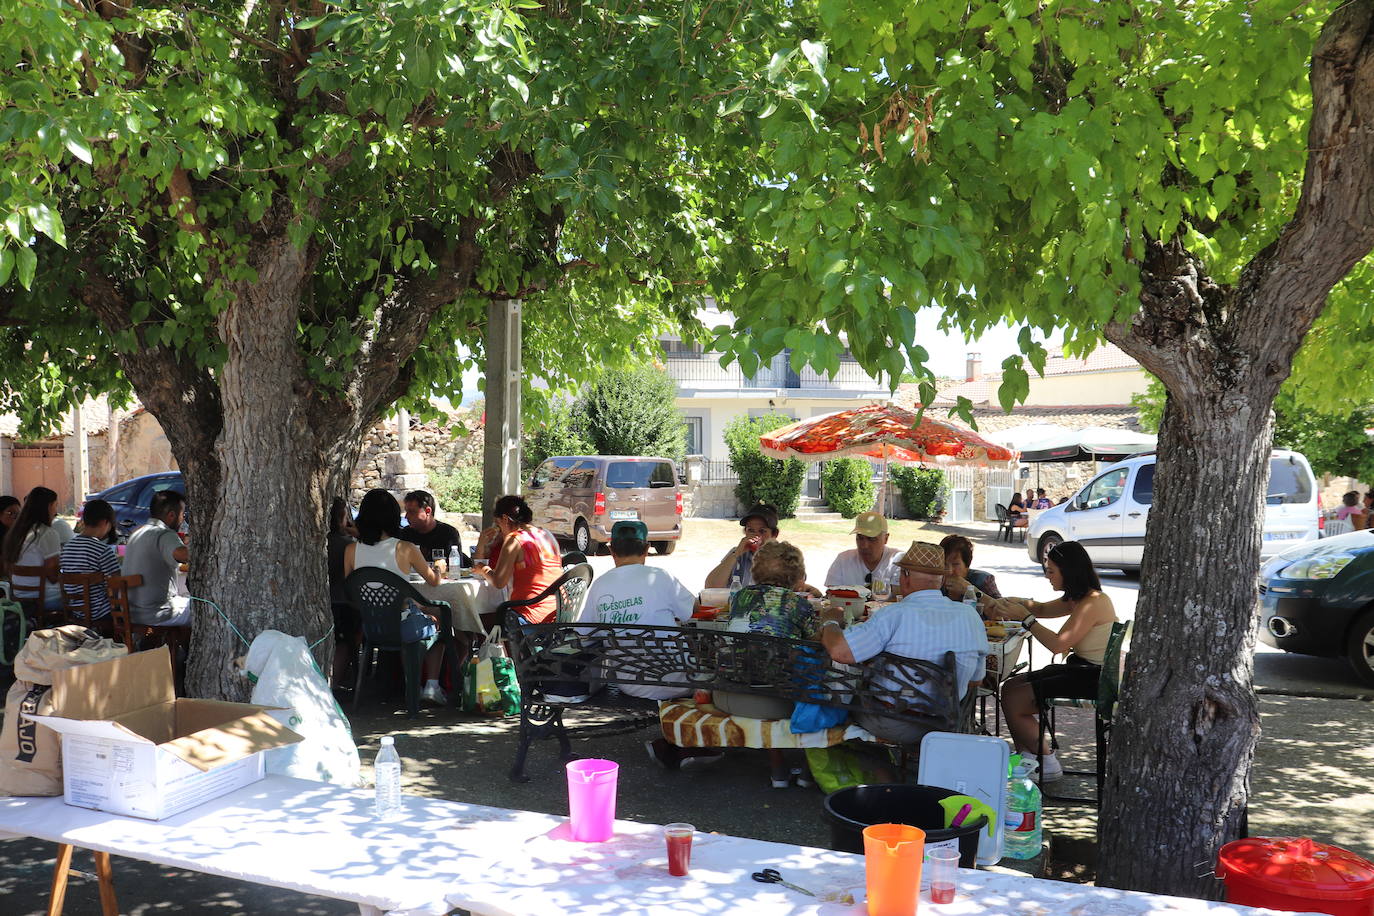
1187, 723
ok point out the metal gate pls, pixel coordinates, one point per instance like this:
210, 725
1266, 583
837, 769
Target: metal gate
960, 506
1000, 486
41, 466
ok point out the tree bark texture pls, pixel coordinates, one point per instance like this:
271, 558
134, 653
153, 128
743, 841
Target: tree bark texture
1187, 722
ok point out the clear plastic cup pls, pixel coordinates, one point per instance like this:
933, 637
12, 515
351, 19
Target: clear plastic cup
679, 840
942, 867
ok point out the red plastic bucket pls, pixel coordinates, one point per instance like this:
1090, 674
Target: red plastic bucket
1296, 875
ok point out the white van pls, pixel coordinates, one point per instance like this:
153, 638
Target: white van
1108, 515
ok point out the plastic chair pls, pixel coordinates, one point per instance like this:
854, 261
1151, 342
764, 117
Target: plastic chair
568, 590
1004, 527
76, 600
1104, 706
573, 557
380, 597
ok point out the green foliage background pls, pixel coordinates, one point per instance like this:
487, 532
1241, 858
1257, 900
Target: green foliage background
558, 434
923, 490
848, 485
458, 490
631, 412
761, 479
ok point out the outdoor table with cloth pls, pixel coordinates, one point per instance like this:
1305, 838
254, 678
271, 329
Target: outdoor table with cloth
318, 838
469, 597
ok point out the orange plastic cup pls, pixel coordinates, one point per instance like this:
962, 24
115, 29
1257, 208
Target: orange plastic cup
892, 863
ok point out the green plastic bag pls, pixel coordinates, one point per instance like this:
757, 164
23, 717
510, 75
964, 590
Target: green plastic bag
839, 767
490, 687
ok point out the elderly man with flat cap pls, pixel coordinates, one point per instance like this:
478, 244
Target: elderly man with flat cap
871, 559
923, 625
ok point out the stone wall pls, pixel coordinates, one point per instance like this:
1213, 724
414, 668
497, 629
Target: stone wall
710, 500
440, 449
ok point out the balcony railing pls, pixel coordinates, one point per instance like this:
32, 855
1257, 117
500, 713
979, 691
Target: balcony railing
705, 372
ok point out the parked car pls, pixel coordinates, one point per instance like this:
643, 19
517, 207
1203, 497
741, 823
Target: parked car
1108, 515
131, 498
1318, 599
579, 498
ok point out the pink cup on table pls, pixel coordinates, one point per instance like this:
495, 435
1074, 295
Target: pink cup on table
591, 799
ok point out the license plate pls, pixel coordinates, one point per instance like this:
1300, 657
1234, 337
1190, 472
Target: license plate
617, 514
1281, 535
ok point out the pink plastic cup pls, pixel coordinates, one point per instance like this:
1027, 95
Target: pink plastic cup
591, 799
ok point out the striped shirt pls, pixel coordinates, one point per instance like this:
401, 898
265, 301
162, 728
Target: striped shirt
84, 554
925, 625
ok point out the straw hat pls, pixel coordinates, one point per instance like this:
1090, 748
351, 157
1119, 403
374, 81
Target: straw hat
923, 558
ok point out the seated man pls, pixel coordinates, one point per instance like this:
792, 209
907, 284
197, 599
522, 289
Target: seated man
870, 560
634, 593
154, 551
426, 532
923, 625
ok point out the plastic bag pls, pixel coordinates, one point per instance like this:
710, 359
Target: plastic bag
31, 754
284, 674
809, 717
838, 767
490, 686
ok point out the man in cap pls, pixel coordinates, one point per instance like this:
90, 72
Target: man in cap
923, 625
760, 525
870, 560
634, 593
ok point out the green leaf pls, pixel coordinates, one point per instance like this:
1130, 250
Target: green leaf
27, 263
48, 222
77, 147
816, 54
777, 63
519, 86
6, 265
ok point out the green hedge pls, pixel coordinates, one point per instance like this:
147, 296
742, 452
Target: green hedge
458, 490
848, 485
762, 479
923, 490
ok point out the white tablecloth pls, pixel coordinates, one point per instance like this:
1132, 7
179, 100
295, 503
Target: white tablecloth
470, 598
318, 838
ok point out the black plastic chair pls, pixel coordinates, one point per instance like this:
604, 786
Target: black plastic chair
380, 597
1104, 708
573, 557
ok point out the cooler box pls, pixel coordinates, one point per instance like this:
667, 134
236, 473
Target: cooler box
129, 746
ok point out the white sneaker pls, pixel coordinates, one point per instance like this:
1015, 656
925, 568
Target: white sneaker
1052, 770
434, 695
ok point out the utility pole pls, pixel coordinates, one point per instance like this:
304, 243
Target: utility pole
501, 445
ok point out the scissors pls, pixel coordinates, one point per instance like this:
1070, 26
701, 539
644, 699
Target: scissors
771, 876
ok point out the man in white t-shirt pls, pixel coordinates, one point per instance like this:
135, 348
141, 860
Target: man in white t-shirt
870, 559
634, 593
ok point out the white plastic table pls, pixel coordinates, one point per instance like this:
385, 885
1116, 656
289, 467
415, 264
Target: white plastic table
318, 838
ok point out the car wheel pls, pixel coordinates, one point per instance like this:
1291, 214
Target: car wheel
665, 547
582, 536
1359, 647
1048, 543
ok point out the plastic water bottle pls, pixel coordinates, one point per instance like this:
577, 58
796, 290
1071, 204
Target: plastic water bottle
971, 597
735, 587
1022, 818
455, 562
388, 773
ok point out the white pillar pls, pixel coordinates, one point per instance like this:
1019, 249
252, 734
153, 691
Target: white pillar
501, 445
81, 466
402, 429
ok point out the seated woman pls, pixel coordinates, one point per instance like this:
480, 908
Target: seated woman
771, 606
378, 523
1084, 634
33, 541
958, 552
528, 561
1351, 510
1020, 518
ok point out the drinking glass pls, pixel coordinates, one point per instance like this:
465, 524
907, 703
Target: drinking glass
879, 588
679, 840
439, 560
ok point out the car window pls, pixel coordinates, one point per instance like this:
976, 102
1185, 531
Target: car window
580, 476
629, 475
542, 475
157, 485
122, 493
1144, 490
663, 475
1105, 490
1289, 482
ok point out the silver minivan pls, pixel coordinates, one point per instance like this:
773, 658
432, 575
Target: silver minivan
1108, 515
579, 497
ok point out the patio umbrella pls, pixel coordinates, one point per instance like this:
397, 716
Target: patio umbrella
1092, 443
886, 432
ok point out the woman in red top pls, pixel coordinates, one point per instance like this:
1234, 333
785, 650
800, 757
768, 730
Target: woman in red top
529, 560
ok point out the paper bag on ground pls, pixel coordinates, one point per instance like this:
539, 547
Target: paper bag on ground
129, 746
31, 754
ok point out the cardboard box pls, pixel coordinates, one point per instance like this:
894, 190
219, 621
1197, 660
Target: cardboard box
129, 746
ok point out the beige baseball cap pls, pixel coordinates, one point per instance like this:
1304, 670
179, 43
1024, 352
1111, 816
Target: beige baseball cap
924, 558
870, 524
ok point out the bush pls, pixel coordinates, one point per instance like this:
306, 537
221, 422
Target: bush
631, 412
559, 435
923, 490
458, 490
848, 485
761, 479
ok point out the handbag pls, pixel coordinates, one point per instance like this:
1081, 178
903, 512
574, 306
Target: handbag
490, 686
417, 626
